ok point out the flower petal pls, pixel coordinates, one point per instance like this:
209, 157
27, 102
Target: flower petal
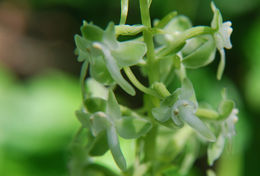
109, 37
131, 127
91, 32
199, 51
162, 113
186, 114
82, 45
129, 53
114, 146
114, 69
215, 149
225, 32
113, 109
217, 18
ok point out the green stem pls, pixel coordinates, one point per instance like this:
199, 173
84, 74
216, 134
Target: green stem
181, 72
161, 89
148, 39
150, 144
124, 11
145, 14
137, 84
153, 76
180, 39
207, 113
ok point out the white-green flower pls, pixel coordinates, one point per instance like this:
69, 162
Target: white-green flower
227, 132
221, 36
106, 55
228, 126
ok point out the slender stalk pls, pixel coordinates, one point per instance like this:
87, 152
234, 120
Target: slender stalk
207, 113
137, 84
145, 14
124, 11
150, 138
150, 144
148, 39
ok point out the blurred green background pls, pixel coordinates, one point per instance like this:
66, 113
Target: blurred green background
39, 86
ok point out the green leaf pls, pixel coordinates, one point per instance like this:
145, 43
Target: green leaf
83, 118
113, 108
186, 114
199, 52
215, 149
91, 32
115, 71
129, 53
99, 122
130, 127
95, 104
114, 146
100, 145
109, 37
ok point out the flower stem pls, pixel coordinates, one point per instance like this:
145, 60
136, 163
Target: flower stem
153, 76
124, 11
137, 84
148, 39
207, 113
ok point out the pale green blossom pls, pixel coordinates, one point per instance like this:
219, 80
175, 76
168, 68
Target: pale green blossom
221, 36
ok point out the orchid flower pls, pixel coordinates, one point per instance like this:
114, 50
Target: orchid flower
221, 36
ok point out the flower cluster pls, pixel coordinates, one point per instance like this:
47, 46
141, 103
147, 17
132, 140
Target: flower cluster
163, 54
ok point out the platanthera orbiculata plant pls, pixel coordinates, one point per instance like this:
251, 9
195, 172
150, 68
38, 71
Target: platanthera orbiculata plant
171, 125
